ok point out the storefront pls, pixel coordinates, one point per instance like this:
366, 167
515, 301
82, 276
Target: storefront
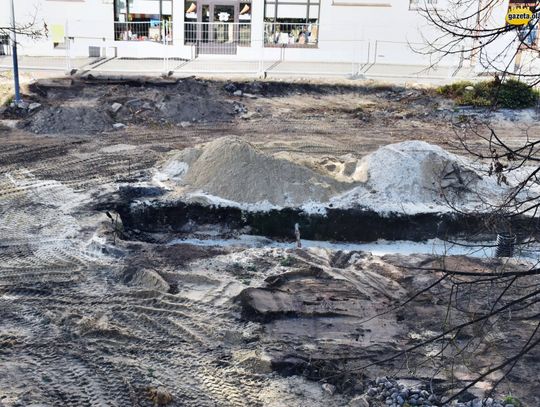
217, 26
143, 20
291, 23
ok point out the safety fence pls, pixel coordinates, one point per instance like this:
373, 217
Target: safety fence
217, 38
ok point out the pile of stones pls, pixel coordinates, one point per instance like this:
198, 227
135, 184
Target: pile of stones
388, 392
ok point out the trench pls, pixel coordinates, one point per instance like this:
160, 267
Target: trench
336, 225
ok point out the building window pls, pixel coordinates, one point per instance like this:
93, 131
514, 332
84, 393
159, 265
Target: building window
215, 27
4, 45
143, 20
291, 22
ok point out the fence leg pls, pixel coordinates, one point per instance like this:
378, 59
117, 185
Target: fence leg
67, 42
260, 71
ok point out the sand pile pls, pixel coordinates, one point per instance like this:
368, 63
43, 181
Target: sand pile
407, 177
233, 169
415, 176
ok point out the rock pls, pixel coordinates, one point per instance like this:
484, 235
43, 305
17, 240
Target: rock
34, 106
400, 400
115, 107
249, 115
330, 167
359, 401
349, 167
237, 92
20, 105
256, 87
469, 88
159, 396
185, 124
119, 126
249, 95
230, 87
239, 108
329, 388
372, 391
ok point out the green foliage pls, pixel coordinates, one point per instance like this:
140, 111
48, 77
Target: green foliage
515, 95
511, 94
455, 89
512, 400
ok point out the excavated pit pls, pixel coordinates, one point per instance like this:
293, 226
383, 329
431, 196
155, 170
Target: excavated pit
341, 225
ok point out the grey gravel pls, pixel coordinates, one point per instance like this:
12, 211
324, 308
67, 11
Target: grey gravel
394, 394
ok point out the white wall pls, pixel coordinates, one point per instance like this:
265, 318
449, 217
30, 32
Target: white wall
83, 19
361, 31
350, 31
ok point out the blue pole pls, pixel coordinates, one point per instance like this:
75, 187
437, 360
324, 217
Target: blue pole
15, 59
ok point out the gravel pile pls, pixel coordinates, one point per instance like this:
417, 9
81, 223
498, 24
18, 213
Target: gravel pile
394, 394
68, 119
388, 392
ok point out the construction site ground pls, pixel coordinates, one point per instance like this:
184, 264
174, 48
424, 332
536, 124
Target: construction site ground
89, 316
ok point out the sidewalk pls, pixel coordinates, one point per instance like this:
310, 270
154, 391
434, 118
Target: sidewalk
227, 68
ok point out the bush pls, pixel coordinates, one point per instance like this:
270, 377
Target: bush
511, 94
516, 95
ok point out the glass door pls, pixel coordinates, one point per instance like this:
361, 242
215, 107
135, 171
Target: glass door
223, 19
218, 21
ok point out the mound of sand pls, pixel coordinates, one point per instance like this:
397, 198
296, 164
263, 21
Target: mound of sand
410, 177
235, 170
415, 176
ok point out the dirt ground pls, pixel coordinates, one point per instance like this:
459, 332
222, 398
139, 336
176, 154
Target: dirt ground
92, 316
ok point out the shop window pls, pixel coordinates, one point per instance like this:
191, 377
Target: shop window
4, 45
143, 20
291, 22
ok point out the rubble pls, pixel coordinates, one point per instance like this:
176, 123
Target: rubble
115, 107
34, 106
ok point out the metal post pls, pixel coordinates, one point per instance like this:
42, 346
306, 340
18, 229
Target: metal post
165, 60
260, 70
67, 44
18, 100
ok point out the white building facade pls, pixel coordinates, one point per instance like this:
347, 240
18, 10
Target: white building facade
356, 31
